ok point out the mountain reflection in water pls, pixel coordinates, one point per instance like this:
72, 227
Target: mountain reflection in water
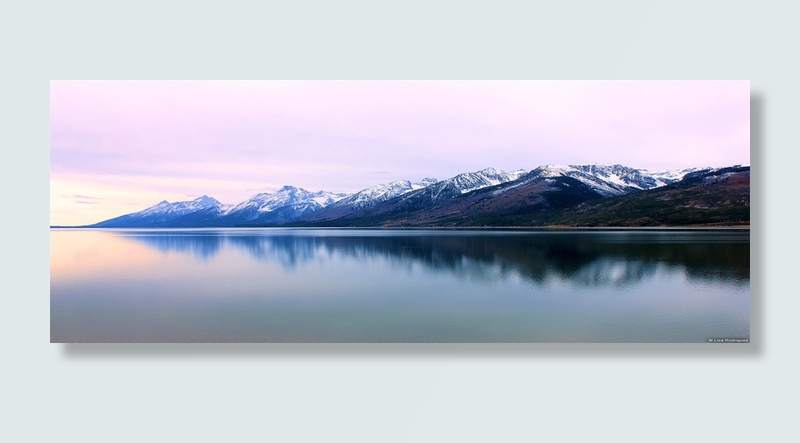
581, 258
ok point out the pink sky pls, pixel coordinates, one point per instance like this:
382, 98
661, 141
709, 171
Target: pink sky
120, 146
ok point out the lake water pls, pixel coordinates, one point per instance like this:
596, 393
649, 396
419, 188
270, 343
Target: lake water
328, 285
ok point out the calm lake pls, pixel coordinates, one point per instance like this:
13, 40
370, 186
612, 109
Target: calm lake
341, 285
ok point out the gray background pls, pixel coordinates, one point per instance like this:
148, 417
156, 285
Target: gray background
585, 392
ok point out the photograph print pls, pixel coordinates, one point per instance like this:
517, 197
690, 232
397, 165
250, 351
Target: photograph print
375, 211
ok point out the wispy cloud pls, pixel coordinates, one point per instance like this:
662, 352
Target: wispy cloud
84, 199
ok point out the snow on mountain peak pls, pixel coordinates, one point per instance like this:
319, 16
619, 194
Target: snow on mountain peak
471, 181
286, 196
180, 208
376, 194
491, 171
289, 203
205, 201
424, 183
610, 180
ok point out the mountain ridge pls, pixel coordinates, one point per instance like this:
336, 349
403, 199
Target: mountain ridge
469, 198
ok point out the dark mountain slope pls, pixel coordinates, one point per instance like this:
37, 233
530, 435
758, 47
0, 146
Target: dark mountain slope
486, 206
162, 214
577, 195
720, 197
703, 198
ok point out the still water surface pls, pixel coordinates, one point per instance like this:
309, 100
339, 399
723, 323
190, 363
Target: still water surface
314, 285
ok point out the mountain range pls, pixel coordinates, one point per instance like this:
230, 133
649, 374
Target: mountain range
575, 195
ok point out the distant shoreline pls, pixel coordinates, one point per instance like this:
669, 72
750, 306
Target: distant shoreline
442, 228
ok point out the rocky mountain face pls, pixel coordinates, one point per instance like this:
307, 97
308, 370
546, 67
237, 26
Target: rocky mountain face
611, 180
457, 202
162, 213
288, 204
590, 195
369, 197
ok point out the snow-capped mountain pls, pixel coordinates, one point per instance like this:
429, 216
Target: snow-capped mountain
298, 198
418, 199
180, 208
376, 194
549, 190
478, 197
287, 204
164, 212
424, 183
611, 180
369, 197
470, 181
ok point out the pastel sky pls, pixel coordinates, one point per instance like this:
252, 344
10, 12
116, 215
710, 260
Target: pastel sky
120, 146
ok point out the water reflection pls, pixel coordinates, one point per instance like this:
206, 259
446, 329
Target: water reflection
199, 245
585, 258
312, 285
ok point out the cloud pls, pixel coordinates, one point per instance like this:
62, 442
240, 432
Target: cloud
83, 199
